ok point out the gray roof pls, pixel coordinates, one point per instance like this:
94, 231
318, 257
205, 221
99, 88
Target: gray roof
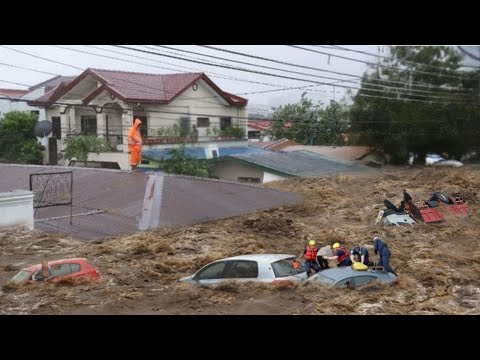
53, 82
110, 202
299, 163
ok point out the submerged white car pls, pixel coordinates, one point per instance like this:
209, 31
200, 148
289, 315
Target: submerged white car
437, 160
270, 268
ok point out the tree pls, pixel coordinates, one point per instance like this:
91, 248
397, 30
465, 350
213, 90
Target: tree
307, 123
428, 105
180, 163
79, 146
17, 140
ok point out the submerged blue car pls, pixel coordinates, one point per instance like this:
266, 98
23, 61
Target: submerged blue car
347, 277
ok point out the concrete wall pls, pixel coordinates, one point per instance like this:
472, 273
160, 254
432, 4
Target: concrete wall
123, 159
7, 105
16, 209
269, 177
231, 170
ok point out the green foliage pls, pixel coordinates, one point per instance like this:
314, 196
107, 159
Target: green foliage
17, 140
448, 123
311, 124
235, 132
180, 163
79, 147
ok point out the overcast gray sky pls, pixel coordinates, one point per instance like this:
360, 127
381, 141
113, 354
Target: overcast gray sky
244, 82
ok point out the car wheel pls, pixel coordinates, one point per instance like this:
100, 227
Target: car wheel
438, 196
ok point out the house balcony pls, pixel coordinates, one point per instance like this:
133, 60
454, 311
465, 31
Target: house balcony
189, 139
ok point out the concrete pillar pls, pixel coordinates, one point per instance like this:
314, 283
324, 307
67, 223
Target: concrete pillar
73, 127
101, 126
127, 122
64, 125
16, 209
152, 203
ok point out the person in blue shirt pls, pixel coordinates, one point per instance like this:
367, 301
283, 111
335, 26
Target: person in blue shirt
384, 253
359, 253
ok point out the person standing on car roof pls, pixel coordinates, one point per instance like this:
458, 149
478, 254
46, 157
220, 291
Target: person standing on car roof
384, 253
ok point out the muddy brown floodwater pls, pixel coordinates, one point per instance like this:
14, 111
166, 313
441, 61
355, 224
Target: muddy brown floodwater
438, 264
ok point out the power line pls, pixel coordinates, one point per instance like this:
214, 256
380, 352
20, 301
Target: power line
319, 69
374, 64
39, 57
255, 71
207, 63
388, 58
214, 74
28, 69
302, 73
15, 83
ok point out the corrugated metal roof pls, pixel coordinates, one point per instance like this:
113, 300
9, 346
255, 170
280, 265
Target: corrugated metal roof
298, 163
349, 153
213, 199
199, 152
119, 196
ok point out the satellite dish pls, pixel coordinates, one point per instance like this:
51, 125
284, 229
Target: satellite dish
43, 128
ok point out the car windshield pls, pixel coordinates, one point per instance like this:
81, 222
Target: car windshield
21, 277
285, 267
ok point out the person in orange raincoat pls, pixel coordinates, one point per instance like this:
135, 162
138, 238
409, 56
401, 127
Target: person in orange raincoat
135, 144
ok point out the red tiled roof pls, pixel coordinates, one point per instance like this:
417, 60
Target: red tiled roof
13, 93
260, 124
147, 88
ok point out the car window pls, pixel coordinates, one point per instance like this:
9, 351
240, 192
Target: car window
362, 280
21, 276
285, 267
243, 269
61, 270
75, 267
324, 279
213, 271
345, 282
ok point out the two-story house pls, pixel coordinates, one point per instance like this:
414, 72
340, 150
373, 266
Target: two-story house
174, 108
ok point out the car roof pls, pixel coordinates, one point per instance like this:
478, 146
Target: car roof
263, 258
55, 262
340, 273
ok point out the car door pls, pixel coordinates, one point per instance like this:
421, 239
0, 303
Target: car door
242, 270
61, 271
213, 273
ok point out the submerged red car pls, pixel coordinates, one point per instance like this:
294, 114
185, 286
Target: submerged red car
58, 270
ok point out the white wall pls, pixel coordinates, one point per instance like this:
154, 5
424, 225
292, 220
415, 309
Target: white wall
231, 170
123, 159
16, 209
188, 104
7, 105
269, 177
208, 102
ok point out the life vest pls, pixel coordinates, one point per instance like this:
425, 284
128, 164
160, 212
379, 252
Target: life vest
311, 254
345, 254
